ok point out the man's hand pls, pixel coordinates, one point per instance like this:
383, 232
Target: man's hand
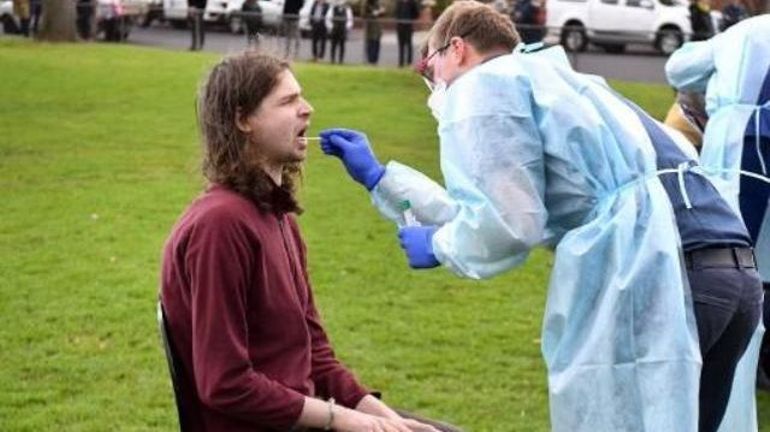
317, 413
417, 242
355, 421
353, 149
416, 426
375, 407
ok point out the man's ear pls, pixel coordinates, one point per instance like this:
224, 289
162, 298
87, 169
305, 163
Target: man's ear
241, 121
460, 49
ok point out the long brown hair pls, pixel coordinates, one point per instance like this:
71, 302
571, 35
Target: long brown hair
237, 85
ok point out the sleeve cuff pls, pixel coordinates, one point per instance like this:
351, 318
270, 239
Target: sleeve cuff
352, 399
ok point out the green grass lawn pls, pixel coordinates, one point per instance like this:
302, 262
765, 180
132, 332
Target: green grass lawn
98, 157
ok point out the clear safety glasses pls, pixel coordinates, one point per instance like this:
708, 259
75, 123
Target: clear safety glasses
426, 70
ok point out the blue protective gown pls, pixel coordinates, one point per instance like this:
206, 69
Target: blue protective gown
733, 69
533, 153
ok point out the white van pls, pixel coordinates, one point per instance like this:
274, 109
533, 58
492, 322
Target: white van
611, 24
227, 12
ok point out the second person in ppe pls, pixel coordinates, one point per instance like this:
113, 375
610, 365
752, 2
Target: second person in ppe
732, 70
533, 153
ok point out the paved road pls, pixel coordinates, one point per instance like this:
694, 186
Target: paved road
639, 63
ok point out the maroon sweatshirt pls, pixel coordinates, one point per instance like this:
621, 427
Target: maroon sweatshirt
241, 314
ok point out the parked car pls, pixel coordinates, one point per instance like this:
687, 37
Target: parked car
7, 19
227, 12
611, 24
116, 18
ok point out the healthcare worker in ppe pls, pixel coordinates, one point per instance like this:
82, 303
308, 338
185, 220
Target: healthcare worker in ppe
733, 70
534, 153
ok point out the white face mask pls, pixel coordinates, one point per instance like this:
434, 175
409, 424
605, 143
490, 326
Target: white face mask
437, 99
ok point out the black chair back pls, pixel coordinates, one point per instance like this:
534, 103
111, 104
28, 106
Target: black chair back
174, 368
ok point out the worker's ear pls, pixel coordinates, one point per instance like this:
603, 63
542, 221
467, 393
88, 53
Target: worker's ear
458, 49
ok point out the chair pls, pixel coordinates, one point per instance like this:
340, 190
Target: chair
174, 368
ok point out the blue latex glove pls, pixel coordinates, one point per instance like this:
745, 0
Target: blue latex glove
417, 242
352, 147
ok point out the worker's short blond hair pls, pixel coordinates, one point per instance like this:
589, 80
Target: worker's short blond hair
479, 24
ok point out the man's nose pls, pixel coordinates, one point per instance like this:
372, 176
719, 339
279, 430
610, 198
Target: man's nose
306, 109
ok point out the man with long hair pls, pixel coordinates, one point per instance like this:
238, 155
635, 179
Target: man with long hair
239, 309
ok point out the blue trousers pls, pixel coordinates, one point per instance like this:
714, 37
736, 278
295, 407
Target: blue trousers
728, 306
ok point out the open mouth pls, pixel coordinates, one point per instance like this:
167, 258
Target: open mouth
302, 135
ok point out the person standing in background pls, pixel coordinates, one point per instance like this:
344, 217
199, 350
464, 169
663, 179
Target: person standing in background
700, 19
85, 13
36, 9
252, 21
372, 12
733, 13
339, 18
406, 12
21, 10
291, 10
196, 9
528, 18
318, 28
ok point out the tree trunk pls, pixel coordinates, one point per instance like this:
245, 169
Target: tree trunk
58, 21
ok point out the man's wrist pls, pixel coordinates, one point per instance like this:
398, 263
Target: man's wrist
373, 406
330, 419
